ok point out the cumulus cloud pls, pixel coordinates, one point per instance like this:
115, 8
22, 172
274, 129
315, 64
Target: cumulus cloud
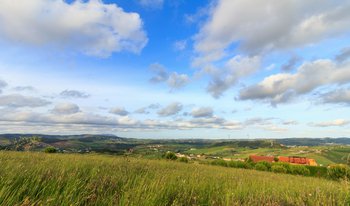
253, 26
160, 73
337, 122
202, 112
17, 100
91, 27
154, 4
235, 68
177, 81
282, 87
173, 80
74, 94
66, 108
217, 123
171, 109
339, 96
85, 120
121, 111
145, 110
259, 121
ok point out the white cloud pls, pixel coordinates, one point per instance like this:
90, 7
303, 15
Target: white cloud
177, 81
88, 120
17, 100
145, 110
202, 112
160, 73
90, 27
339, 96
171, 109
279, 88
155, 4
121, 111
337, 122
173, 80
234, 69
66, 108
74, 94
256, 28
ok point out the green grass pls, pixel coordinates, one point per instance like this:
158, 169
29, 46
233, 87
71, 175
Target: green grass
29, 178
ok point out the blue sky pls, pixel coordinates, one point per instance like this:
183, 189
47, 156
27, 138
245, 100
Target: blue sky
176, 69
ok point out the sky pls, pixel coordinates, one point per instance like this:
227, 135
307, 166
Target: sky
176, 68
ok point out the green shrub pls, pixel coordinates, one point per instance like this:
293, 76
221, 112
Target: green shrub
267, 164
219, 162
285, 165
260, 166
317, 171
278, 169
339, 171
300, 170
50, 150
170, 156
239, 164
183, 159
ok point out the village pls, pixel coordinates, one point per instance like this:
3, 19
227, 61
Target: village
256, 158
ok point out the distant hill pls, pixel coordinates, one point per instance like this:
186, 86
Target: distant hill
63, 137
313, 141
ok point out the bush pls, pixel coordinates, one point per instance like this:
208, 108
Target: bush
317, 171
183, 159
299, 170
239, 164
170, 156
219, 162
337, 172
278, 169
50, 150
285, 165
267, 164
260, 166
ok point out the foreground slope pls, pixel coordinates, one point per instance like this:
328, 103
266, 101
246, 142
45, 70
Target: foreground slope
62, 179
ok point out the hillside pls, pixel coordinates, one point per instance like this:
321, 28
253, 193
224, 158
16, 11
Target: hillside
325, 151
30, 178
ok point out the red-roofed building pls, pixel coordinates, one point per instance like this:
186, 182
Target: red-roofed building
291, 160
298, 160
256, 158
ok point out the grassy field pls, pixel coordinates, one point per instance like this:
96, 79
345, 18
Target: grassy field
28, 178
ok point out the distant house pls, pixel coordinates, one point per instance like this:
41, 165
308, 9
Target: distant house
298, 160
256, 158
291, 160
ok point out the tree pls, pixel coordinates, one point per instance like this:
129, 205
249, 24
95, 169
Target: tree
50, 150
170, 156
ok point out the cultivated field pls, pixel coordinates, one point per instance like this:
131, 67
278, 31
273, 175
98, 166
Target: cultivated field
28, 178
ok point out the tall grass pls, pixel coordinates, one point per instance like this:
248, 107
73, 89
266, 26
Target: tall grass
70, 179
